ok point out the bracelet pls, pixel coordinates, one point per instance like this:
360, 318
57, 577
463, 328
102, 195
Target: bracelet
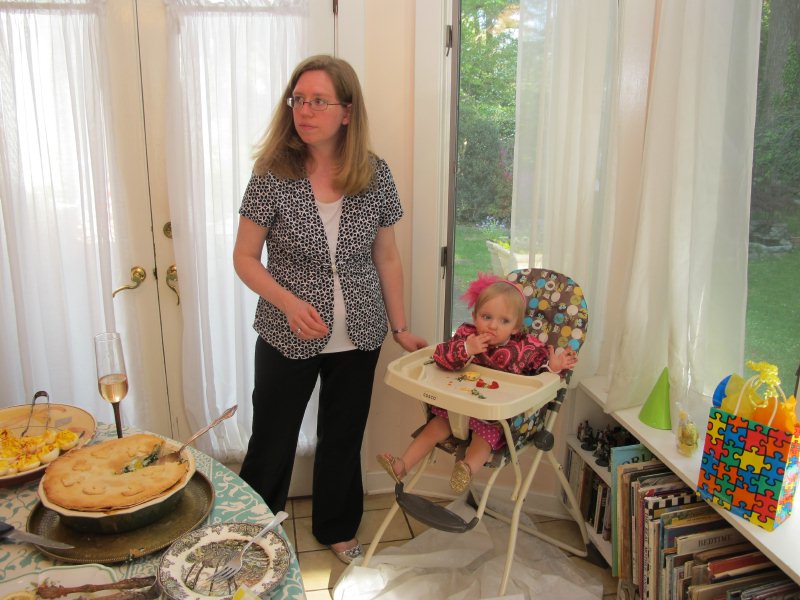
399, 330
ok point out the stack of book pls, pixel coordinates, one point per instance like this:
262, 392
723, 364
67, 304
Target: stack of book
668, 543
592, 494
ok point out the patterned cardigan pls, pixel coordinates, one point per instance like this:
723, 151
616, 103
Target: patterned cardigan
298, 257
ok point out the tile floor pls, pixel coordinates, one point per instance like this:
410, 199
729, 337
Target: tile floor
321, 569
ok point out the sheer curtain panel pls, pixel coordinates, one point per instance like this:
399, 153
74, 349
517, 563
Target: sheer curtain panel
57, 223
632, 174
561, 207
228, 64
685, 306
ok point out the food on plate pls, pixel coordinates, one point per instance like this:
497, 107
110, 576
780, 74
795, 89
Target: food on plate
114, 474
51, 590
23, 453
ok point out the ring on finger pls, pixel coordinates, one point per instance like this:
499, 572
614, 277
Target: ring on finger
298, 331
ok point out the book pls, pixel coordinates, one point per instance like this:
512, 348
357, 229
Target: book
677, 556
711, 591
664, 544
625, 474
737, 565
701, 559
644, 487
654, 507
715, 538
621, 455
600, 510
781, 588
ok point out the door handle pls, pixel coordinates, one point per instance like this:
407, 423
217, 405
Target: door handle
138, 275
172, 281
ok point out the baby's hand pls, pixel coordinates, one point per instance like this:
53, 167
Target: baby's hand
477, 343
563, 361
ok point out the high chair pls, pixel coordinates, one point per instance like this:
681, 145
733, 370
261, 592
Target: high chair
525, 406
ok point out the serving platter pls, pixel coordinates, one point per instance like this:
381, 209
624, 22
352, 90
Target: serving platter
186, 569
56, 416
192, 510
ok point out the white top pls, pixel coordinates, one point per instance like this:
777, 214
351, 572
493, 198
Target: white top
331, 214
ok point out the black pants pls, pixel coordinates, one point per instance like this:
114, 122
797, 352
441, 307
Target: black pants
282, 390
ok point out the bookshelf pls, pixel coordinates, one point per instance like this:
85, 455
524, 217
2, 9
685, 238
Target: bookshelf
780, 545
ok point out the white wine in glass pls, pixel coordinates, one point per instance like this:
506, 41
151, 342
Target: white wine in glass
112, 380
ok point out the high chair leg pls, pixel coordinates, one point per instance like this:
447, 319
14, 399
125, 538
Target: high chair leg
514, 520
393, 510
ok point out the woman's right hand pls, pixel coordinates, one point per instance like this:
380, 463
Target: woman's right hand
304, 320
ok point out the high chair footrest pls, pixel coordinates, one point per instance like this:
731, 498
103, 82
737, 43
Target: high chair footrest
430, 513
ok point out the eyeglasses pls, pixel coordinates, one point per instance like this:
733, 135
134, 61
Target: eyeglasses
316, 104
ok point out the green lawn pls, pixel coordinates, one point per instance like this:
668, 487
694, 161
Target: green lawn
773, 314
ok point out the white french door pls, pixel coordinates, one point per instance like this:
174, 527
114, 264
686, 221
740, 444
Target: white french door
138, 33
52, 303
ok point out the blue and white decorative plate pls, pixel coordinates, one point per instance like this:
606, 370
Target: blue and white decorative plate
187, 566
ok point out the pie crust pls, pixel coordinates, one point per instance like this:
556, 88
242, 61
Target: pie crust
111, 474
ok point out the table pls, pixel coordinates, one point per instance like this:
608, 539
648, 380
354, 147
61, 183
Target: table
235, 501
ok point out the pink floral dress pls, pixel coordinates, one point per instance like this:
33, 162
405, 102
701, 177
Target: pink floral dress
522, 354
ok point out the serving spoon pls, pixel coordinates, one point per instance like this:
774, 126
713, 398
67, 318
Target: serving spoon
176, 455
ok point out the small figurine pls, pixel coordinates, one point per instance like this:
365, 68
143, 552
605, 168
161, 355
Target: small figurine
588, 437
686, 440
603, 450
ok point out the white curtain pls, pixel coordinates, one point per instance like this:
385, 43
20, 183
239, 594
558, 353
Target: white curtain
685, 306
229, 63
663, 265
561, 208
57, 228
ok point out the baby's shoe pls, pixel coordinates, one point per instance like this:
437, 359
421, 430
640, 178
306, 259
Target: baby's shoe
461, 477
387, 461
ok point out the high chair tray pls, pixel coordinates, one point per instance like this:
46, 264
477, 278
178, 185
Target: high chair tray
476, 391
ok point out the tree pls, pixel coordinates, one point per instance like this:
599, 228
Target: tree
486, 118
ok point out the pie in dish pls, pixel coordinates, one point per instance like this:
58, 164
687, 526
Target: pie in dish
113, 474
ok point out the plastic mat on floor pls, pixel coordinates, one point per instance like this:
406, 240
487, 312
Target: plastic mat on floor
467, 566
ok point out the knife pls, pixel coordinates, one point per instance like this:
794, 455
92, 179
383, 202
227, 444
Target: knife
9, 531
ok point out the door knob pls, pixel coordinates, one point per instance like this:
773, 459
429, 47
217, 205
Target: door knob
138, 275
172, 281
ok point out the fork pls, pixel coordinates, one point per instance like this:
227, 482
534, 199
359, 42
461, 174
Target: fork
234, 563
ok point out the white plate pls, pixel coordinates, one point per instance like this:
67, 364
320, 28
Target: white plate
187, 566
68, 576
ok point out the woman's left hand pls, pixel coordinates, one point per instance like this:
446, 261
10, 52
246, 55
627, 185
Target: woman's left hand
409, 341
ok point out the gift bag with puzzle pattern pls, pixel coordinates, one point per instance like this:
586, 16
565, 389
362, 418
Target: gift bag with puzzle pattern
748, 467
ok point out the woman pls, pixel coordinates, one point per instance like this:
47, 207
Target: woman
325, 206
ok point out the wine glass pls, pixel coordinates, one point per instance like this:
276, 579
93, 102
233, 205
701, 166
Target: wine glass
112, 380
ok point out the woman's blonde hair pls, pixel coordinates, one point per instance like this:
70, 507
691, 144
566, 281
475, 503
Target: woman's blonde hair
281, 150
509, 292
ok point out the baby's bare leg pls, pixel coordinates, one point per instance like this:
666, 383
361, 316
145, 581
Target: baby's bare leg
437, 430
478, 452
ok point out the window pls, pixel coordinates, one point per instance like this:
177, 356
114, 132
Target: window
484, 150
773, 317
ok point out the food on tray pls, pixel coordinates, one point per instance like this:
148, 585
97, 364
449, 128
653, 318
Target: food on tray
23, 453
114, 474
471, 375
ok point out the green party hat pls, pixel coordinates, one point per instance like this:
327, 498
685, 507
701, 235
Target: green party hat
655, 411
